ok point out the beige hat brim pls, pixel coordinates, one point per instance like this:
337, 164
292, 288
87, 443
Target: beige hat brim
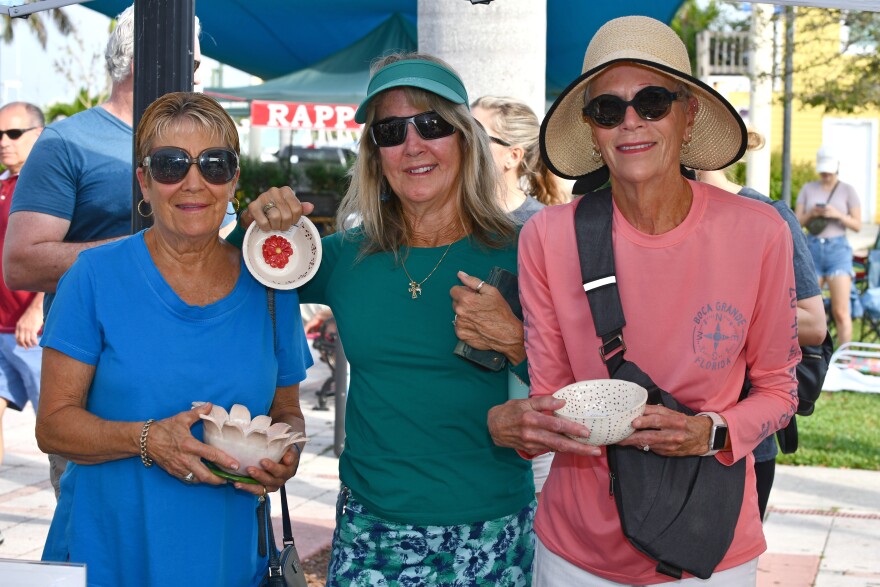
719, 136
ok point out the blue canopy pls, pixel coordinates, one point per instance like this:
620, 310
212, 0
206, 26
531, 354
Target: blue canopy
272, 38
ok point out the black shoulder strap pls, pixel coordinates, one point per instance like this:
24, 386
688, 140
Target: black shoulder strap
592, 224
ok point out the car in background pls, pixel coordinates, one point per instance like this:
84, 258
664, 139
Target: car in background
315, 155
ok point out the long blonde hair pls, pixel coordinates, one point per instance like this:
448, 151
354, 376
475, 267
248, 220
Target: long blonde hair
516, 123
383, 223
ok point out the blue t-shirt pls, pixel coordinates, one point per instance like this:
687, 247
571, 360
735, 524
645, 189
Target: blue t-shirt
154, 355
80, 169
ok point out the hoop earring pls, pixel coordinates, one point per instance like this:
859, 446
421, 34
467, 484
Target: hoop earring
595, 154
236, 206
141, 212
686, 146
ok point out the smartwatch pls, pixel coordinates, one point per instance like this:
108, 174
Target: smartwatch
718, 435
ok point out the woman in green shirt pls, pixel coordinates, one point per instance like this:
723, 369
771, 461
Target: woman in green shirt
427, 497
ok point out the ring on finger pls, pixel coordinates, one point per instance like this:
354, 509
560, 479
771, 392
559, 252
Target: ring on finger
646, 448
189, 478
268, 207
265, 491
454, 318
480, 286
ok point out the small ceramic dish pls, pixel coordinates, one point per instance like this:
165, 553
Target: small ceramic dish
247, 440
283, 259
606, 406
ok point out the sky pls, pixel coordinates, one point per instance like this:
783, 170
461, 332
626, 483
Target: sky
29, 73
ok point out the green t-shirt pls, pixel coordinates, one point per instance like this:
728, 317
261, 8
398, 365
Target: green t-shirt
417, 446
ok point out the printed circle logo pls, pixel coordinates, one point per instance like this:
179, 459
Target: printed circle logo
719, 330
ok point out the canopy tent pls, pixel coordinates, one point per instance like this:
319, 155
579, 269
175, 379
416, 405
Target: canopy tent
340, 78
272, 38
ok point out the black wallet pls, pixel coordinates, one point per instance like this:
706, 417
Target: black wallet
507, 285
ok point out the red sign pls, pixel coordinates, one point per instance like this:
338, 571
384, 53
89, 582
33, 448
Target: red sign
299, 115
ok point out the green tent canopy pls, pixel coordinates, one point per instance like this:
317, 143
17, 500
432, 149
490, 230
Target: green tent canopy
341, 78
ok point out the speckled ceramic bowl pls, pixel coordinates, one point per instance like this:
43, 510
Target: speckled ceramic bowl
606, 406
247, 441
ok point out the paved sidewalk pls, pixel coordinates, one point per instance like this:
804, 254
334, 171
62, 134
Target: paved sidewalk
823, 525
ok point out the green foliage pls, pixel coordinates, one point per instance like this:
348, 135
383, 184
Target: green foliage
844, 431
801, 173
82, 102
690, 20
258, 176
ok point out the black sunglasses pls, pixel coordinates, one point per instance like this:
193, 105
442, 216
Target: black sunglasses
390, 132
171, 164
651, 103
498, 141
15, 133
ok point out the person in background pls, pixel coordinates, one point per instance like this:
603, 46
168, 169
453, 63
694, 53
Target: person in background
75, 192
21, 312
513, 130
527, 185
836, 207
142, 328
427, 498
810, 308
680, 247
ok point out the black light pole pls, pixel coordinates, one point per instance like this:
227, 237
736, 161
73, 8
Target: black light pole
164, 36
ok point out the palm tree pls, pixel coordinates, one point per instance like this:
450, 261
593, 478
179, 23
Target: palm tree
37, 24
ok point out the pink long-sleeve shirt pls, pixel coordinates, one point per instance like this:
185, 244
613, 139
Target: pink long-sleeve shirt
702, 302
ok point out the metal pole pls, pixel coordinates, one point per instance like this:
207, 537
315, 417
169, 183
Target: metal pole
164, 40
786, 112
341, 394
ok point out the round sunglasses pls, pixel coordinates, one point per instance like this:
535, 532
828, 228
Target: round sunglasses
171, 164
390, 132
651, 103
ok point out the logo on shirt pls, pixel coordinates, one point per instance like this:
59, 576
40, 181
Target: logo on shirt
719, 330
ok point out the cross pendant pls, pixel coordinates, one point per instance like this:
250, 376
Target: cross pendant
414, 289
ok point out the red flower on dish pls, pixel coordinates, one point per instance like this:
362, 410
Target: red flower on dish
277, 251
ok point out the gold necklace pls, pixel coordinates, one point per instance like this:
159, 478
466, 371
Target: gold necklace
415, 288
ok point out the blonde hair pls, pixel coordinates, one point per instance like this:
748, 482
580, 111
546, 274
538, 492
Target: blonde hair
384, 224
516, 123
168, 111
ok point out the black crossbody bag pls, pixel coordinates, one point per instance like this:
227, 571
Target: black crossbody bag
679, 511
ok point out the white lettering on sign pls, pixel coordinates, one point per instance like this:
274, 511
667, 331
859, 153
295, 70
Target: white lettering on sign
297, 115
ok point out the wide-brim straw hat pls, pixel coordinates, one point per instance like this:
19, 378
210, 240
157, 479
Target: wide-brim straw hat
719, 136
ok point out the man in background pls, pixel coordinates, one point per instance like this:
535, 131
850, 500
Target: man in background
21, 312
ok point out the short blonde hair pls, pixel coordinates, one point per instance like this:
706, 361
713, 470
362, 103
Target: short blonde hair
383, 222
168, 111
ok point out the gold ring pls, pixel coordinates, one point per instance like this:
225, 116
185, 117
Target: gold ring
480, 286
268, 207
265, 491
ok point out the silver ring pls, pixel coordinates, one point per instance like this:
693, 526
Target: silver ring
646, 448
480, 286
268, 207
454, 319
190, 478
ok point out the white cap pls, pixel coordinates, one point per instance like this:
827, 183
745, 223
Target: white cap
826, 160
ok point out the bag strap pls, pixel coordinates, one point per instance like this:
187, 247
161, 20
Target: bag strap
834, 189
287, 538
593, 222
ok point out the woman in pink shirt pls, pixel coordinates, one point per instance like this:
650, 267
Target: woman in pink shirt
706, 285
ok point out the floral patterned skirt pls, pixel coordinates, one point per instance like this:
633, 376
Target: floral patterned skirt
371, 551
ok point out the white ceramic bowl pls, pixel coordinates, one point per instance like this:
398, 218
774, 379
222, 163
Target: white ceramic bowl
606, 406
247, 441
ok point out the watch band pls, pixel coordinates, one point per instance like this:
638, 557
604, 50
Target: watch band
718, 435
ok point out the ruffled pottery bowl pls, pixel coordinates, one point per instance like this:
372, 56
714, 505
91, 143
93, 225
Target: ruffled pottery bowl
247, 440
606, 406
